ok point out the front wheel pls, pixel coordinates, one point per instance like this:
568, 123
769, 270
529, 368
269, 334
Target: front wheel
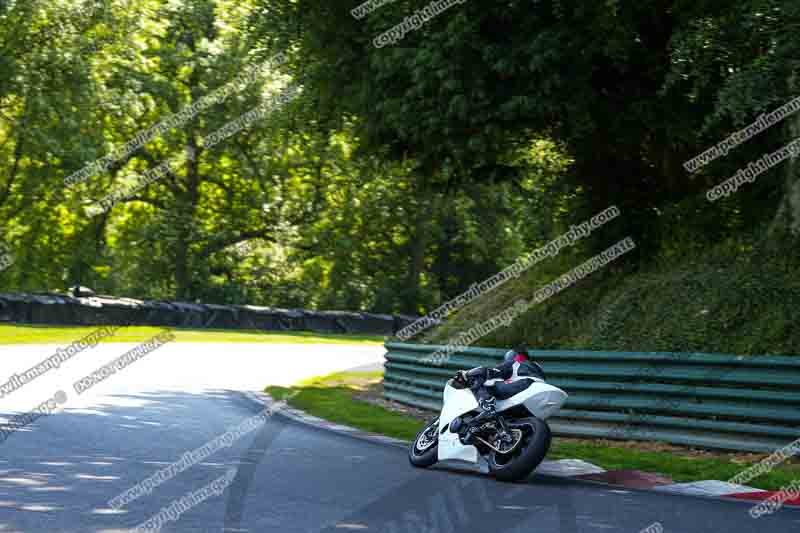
526, 456
423, 452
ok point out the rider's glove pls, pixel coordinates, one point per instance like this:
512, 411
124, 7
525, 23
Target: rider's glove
478, 372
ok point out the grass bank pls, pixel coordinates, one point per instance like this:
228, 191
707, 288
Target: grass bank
728, 300
39, 334
343, 398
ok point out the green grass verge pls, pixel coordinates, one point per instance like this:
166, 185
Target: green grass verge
40, 334
679, 468
332, 398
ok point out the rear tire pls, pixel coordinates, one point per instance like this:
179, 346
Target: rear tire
524, 460
424, 451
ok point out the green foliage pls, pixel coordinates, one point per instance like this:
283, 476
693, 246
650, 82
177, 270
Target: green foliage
399, 175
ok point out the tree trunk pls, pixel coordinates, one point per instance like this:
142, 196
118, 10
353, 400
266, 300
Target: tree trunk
784, 231
185, 222
428, 204
19, 152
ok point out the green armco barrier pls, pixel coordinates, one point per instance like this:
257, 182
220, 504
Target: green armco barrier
742, 403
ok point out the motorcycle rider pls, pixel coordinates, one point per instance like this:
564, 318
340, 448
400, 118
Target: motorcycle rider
514, 375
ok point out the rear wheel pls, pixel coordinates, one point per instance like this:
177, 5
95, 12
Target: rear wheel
525, 456
423, 452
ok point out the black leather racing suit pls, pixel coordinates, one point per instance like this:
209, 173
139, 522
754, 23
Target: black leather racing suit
508, 379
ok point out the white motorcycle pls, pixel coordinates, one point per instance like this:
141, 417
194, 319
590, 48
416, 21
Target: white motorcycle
509, 446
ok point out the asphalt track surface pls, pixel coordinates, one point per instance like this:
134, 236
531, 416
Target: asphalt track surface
58, 474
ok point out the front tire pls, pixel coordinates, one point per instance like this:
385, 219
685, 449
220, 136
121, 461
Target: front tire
526, 457
423, 452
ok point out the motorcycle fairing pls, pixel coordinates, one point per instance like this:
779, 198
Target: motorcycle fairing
540, 399
456, 403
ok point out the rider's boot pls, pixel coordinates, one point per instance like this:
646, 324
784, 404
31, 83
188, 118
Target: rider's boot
488, 412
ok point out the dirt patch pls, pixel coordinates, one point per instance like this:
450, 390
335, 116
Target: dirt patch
683, 451
373, 393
